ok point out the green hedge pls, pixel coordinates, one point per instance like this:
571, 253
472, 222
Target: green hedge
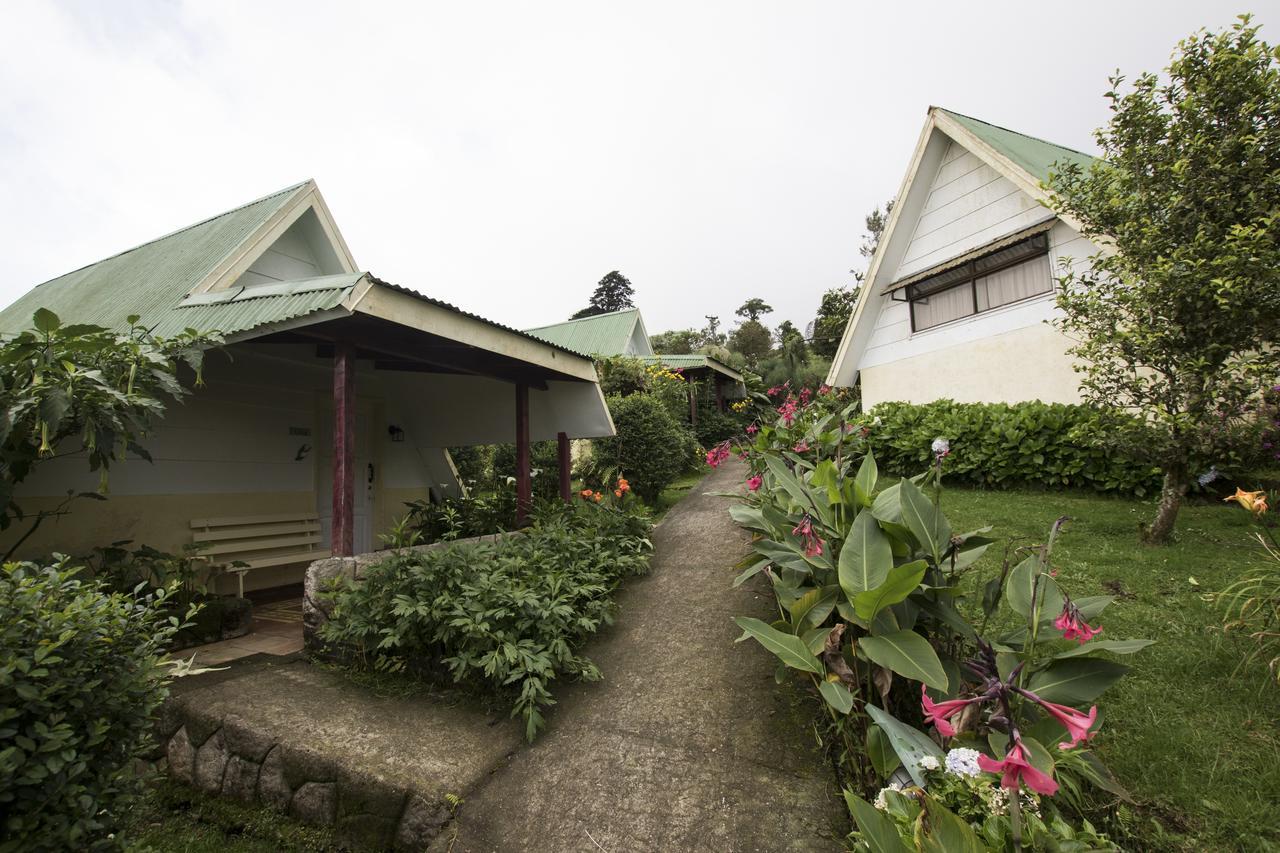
651, 448
511, 615
80, 680
1051, 445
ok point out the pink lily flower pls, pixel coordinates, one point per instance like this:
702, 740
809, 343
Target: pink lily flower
1077, 723
1015, 768
812, 542
753, 483
939, 713
752, 429
1073, 627
802, 447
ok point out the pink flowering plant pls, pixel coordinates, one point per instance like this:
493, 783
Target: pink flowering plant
871, 585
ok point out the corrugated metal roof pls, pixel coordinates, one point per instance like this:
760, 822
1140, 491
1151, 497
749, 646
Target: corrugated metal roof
694, 360
442, 304
601, 334
154, 281
1033, 154
147, 280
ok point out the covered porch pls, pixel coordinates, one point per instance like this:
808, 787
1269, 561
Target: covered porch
447, 379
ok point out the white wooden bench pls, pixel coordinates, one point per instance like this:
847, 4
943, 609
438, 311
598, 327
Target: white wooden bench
259, 541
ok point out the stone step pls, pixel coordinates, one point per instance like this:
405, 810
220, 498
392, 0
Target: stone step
384, 772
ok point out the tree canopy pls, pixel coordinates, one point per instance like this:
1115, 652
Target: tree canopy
753, 308
613, 293
1177, 318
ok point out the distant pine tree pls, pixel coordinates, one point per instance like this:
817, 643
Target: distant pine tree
613, 293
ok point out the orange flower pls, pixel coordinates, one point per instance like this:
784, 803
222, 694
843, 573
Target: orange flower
617, 493
623, 485
598, 497
586, 494
1255, 502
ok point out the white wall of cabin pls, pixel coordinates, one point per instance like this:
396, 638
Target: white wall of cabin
1007, 354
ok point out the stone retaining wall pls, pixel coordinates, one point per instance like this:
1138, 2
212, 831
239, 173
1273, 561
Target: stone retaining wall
227, 757
322, 573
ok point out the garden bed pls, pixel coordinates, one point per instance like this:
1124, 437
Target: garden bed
1193, 739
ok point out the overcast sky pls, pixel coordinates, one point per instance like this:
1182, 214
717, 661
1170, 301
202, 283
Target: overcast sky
504, 156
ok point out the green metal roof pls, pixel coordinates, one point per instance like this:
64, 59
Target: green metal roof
1032, 154
601, 334
152, 279
694, 360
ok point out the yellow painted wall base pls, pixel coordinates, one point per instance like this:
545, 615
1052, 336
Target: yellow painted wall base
161, 521
391, 508
1026, 364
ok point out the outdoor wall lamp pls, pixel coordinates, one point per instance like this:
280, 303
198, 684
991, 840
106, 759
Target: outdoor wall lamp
396, 433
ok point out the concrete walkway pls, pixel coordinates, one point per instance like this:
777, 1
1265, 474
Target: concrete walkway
687, 743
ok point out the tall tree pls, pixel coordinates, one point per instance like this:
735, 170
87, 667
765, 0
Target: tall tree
833, 314
677, 341
613, 293
1178, 318
875, 223
711, 335
751, 339
792, 346
753, 308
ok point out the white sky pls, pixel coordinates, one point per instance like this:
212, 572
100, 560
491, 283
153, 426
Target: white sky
504, 156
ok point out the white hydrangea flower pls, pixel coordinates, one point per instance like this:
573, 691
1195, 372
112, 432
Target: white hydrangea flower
941, 447
963, 762
929, 763
879, 801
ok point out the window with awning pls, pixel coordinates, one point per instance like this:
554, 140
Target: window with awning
1006, 275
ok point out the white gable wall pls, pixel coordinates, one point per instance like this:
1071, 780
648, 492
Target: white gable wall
303, 251
968, 205
638, 343
1008, 354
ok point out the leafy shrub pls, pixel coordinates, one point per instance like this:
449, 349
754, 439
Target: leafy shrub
510, 614
714, 426
869, 581
462, 518
544, 460
80, 678
86, 388
473, 463
651, 449
1252, 604
1002, 444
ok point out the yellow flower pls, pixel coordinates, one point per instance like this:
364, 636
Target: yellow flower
1255, 502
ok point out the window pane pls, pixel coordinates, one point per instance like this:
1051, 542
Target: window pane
1014, 283
943, 307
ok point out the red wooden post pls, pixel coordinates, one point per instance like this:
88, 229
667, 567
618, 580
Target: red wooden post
524, 484
562, 441
344, 450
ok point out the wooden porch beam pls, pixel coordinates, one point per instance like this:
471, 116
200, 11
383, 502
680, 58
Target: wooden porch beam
344, 450
524, 480
562, 448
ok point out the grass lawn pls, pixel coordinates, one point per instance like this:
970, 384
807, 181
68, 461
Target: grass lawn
1195, 742
173, 818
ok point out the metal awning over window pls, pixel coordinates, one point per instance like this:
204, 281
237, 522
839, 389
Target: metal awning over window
1018, 246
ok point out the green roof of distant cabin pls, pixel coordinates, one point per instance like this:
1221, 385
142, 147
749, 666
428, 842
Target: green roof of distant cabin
599, 334
685, 361
1034, 155
152, 281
